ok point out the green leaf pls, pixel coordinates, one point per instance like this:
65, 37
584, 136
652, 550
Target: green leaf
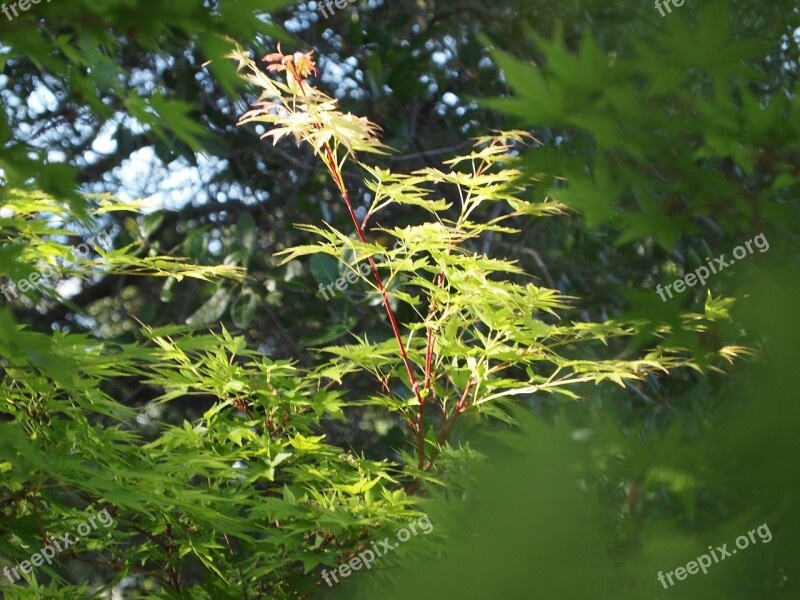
324, 268
245, 236
196, 244
244, 308
151, 223
212, 310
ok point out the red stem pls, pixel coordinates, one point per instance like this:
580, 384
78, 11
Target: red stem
378, 281
337, 177
447, 426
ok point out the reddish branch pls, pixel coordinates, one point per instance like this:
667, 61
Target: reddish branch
422, 394
337, 178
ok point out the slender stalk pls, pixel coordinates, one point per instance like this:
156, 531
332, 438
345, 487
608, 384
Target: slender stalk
429, 379
430, 341
335, 172
448, 424
444, 433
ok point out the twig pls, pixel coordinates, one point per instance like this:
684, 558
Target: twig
333, 169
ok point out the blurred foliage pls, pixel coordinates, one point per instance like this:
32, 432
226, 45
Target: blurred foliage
687, 137
582, 509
